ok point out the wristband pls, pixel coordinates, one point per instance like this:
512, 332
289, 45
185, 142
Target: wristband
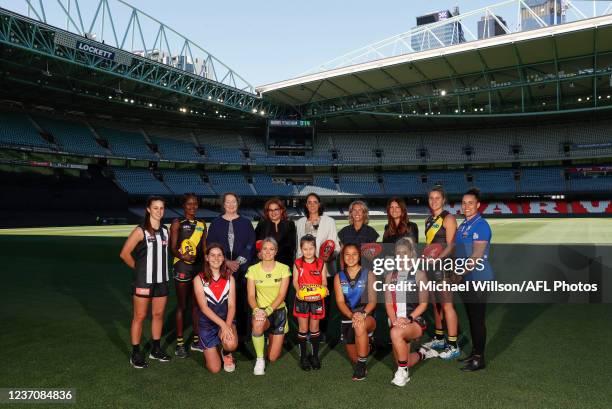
269, 310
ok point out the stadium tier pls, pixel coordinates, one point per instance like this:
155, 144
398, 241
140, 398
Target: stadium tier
16, 130
530, 180
570, 141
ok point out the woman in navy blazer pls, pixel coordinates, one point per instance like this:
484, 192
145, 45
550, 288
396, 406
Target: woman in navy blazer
237, 237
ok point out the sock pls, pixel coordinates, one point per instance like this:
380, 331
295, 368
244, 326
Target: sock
259, 343
196, 339
402, 365
180, 342
156, 346
452, 341
136, 348
439, 333
362, 360
314, 341
301, 337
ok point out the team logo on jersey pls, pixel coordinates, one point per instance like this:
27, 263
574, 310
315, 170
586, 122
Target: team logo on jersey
269, 275
315, 272
436, 225
475, 236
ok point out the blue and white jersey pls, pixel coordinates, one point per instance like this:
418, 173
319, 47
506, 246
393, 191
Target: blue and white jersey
355, 291
469, 231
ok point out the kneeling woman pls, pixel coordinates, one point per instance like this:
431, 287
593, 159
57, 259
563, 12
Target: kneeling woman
356, 300
215, 291
267, 284
405, 301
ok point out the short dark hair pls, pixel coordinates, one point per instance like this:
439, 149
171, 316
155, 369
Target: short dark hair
474, 192
188, 196
321, 208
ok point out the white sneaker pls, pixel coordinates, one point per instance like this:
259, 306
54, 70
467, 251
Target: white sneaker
436, 344
260, 367
428, 352
401, 377
450, 352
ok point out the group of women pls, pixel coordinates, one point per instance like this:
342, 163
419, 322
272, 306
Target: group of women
238, 278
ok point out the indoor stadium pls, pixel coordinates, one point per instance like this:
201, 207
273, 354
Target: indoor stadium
103, 106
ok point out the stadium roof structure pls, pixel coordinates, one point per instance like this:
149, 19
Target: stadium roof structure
111, 51
556, 68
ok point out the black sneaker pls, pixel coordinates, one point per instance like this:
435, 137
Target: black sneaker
159, 355
304, 363
137, 360
315, 362
181, 351
361, 371
195, 346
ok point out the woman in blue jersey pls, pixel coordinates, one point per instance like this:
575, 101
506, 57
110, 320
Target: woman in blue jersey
356, 300
215, 292
472, 241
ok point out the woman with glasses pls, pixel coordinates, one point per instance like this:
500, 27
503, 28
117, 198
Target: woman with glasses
276, 225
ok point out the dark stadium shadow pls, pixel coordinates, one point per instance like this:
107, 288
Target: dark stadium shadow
102, 294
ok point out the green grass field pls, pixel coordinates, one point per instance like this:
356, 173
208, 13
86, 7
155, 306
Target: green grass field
66, 311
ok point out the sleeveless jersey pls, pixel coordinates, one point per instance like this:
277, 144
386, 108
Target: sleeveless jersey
406, 299
193, 230
151, 256
435, 232
217, 296
355, 291
309, 273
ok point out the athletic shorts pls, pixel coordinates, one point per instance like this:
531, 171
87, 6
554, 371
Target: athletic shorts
209, 333
184, 276
278, 322
306, 309
347, 332
151, 290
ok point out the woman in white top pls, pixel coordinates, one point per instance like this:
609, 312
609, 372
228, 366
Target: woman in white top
322, 227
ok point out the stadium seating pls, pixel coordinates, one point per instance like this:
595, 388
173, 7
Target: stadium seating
126, 144
494, 181
181, 182
266, 185
534, 180
591, 184
16, 130
139, 182
217, 154
230, 182
452, 182
73, 137
365, 184
403, 183
175, 149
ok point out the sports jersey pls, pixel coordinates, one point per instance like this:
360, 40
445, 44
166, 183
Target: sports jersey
355, 291
267, 284
151, 256
309, 273
469, 231
217, 295
194, 231
404, 302
435, 232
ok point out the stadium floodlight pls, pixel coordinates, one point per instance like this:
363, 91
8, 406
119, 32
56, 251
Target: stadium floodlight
443, 92
262, 112
254, 110
131, 101
579, 99
150, 105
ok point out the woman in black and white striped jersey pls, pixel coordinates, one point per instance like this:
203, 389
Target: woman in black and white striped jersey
146, 252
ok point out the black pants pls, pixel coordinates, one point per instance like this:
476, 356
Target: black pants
475, 306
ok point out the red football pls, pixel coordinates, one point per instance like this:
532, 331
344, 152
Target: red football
433, 250
371, 250
327, 249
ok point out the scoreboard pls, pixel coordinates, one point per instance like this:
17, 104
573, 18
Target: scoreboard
290, 134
